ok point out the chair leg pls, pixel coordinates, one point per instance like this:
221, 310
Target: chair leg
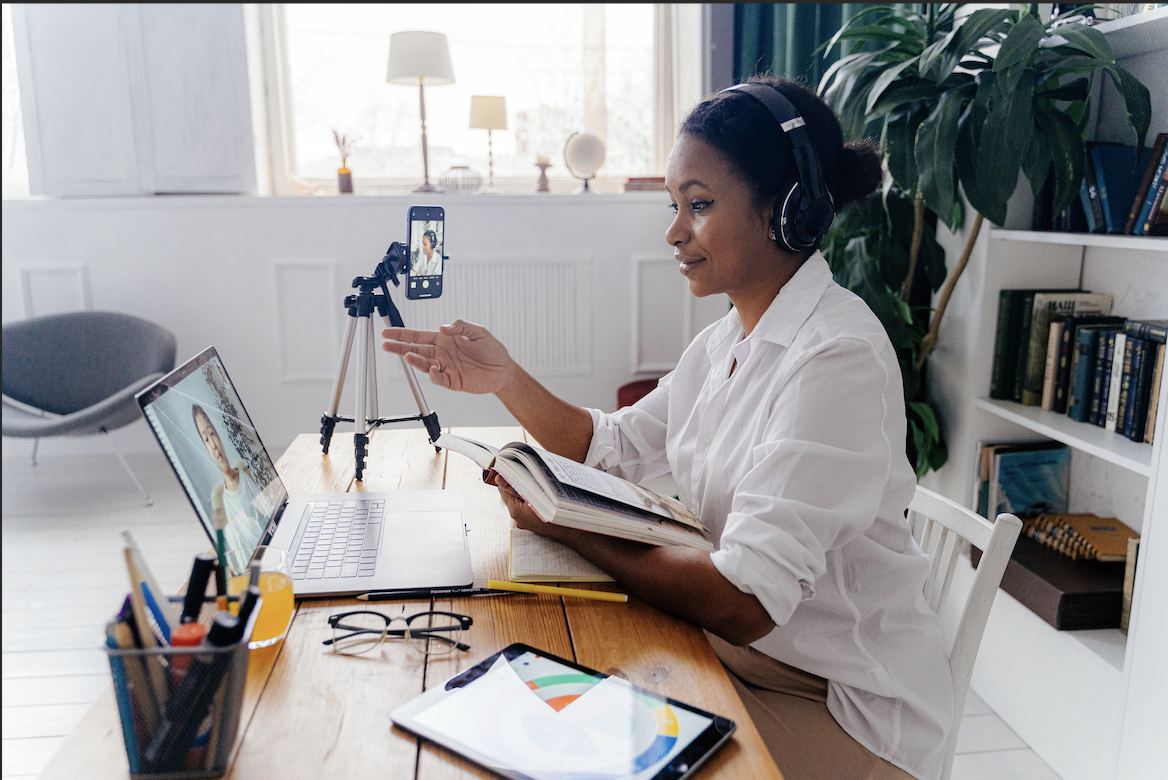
35, 443
126, 466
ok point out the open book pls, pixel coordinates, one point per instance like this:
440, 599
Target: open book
564, 492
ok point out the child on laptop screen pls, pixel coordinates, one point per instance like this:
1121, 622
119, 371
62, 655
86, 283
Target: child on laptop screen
783, 426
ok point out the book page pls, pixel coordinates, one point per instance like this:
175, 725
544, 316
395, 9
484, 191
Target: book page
593, 480
536, 558
482, 454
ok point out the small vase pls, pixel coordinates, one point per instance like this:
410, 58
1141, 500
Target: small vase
345, 181
461, 179
543, 179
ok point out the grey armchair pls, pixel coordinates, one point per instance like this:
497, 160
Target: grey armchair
76, 375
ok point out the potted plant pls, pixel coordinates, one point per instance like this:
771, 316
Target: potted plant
963, 105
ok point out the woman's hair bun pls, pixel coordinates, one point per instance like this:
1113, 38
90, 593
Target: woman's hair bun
856, 174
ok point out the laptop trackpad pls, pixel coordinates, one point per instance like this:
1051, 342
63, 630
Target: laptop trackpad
417, 533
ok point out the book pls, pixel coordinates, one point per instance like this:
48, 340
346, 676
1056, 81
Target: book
1135, 410
564, 492
1082, 371
1154, 394
1089, 197
1045, 307
1069, 595
536, 558
1129, 582
1116, 346
1030, 479
1144, 192
1081, 535
1066, 355
1052, 357
1149, 330
1152, 225
1117, 172
1104, 354
1018, 337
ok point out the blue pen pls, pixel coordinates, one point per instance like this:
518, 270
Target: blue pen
156, 610
125, 709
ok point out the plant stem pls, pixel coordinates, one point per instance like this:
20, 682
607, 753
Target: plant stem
915, 250
930, 340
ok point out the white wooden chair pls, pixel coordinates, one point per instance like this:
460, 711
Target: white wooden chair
939, 526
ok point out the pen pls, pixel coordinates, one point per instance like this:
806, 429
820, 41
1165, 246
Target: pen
523, 587
425, 593
197, 586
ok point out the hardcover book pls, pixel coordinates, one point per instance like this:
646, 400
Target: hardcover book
1145, 192
1087, 339
1046, 306
564, 492
1118, 172
1030, 479
1071, 325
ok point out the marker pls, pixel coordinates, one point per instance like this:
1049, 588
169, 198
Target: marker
551, 590
197, 587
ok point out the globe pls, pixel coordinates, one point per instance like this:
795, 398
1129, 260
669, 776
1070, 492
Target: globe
584, 154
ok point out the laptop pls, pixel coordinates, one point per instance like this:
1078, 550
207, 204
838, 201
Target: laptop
338, 543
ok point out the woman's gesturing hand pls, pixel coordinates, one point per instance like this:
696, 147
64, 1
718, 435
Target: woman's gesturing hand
460, 356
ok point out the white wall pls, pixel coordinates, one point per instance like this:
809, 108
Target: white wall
583, 289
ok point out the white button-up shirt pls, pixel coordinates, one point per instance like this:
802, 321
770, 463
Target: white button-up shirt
796, 463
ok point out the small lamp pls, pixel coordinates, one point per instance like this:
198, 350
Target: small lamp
420, 57
488, 113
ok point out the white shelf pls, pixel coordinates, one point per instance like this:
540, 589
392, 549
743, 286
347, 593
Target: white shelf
1107, 240
1131, 36
1096, 441
1110, 644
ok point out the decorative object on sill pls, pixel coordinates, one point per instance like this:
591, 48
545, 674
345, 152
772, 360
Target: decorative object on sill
488, 113
345, 146
461, 179
543, 164
645, 184
415, 58
583, 154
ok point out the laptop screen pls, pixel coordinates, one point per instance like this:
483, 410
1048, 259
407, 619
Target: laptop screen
217, 454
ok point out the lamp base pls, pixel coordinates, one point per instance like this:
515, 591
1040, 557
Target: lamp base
428, 188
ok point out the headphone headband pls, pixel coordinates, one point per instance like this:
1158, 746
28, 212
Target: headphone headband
807, 207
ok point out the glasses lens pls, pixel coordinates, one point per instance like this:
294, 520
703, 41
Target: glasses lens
359, 633
435, 633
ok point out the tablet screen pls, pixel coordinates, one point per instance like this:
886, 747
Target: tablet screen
525, 714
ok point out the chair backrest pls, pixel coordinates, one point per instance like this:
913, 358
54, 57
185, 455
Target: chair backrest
940, 526
67, 362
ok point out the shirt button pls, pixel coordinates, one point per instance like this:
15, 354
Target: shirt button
705, 442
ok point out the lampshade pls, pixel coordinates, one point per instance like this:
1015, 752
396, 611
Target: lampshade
419, 55
488, 113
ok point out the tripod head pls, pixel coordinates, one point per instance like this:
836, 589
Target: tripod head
395, 262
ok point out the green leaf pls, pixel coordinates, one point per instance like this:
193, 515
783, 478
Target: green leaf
1005, 136
884, 81
1137, 102
1020, 44
971, 31
1088, 40
909, 89
1036, 164
1066, 150
935, 142
1073, 90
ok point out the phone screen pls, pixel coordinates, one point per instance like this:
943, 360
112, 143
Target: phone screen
426, 247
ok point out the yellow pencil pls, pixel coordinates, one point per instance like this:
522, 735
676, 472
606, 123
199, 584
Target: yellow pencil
523, 587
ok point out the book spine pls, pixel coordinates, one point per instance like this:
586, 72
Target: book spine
1101, 184
1103, 355
1137, 400
1115, 349
1154, 394
1002, 373
1129, 582
1091, 206
1126, 388
1146, 227
1148, 331
1063, 370
1022, 339
1036, 356
1079, 395
1147, 194
1049, 376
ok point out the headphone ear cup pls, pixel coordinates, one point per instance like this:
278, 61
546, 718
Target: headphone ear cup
801, 222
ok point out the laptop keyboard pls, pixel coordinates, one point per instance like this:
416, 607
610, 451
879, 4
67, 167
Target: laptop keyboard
340, 540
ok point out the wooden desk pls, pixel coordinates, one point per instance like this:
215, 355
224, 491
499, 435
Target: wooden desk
311, 714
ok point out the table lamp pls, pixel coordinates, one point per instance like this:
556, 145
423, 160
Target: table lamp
488, 113
421, 58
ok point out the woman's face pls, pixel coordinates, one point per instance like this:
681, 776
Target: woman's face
213, 443
429, 250
719, 237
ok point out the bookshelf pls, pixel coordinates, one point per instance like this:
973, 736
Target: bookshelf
1085, 701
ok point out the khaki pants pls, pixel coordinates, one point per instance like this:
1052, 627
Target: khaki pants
789, 709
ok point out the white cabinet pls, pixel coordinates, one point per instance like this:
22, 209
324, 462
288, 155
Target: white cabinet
134, 99
1092, 704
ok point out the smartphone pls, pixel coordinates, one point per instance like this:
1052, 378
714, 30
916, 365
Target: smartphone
425, 242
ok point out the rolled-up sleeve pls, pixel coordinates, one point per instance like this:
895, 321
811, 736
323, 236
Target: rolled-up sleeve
630, 442
817, 476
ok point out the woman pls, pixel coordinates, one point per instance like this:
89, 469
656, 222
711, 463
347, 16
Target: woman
235, 501
430, 261
783, 426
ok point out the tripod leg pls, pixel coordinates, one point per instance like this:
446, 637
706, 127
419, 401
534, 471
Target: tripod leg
429, 418
371, 362
361, 386
329, 421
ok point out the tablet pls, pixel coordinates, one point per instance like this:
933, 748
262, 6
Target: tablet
529, 715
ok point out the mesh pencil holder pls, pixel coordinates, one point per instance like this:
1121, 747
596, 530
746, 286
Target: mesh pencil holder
180, 706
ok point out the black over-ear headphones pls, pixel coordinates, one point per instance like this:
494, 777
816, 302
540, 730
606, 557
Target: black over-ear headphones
805, 208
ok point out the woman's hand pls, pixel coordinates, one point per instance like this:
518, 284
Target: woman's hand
460, 356
521, 512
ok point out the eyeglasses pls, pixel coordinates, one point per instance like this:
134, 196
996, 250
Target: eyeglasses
430, 633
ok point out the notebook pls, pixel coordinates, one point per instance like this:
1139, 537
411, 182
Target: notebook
339, 543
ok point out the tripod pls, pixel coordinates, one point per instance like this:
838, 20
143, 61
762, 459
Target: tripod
361, 329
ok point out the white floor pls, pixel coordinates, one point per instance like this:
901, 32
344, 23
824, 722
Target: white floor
64, 576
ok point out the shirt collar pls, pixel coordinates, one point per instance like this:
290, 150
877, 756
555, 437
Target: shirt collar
787, 312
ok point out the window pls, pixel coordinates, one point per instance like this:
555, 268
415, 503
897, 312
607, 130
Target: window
561, 68
15, 162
